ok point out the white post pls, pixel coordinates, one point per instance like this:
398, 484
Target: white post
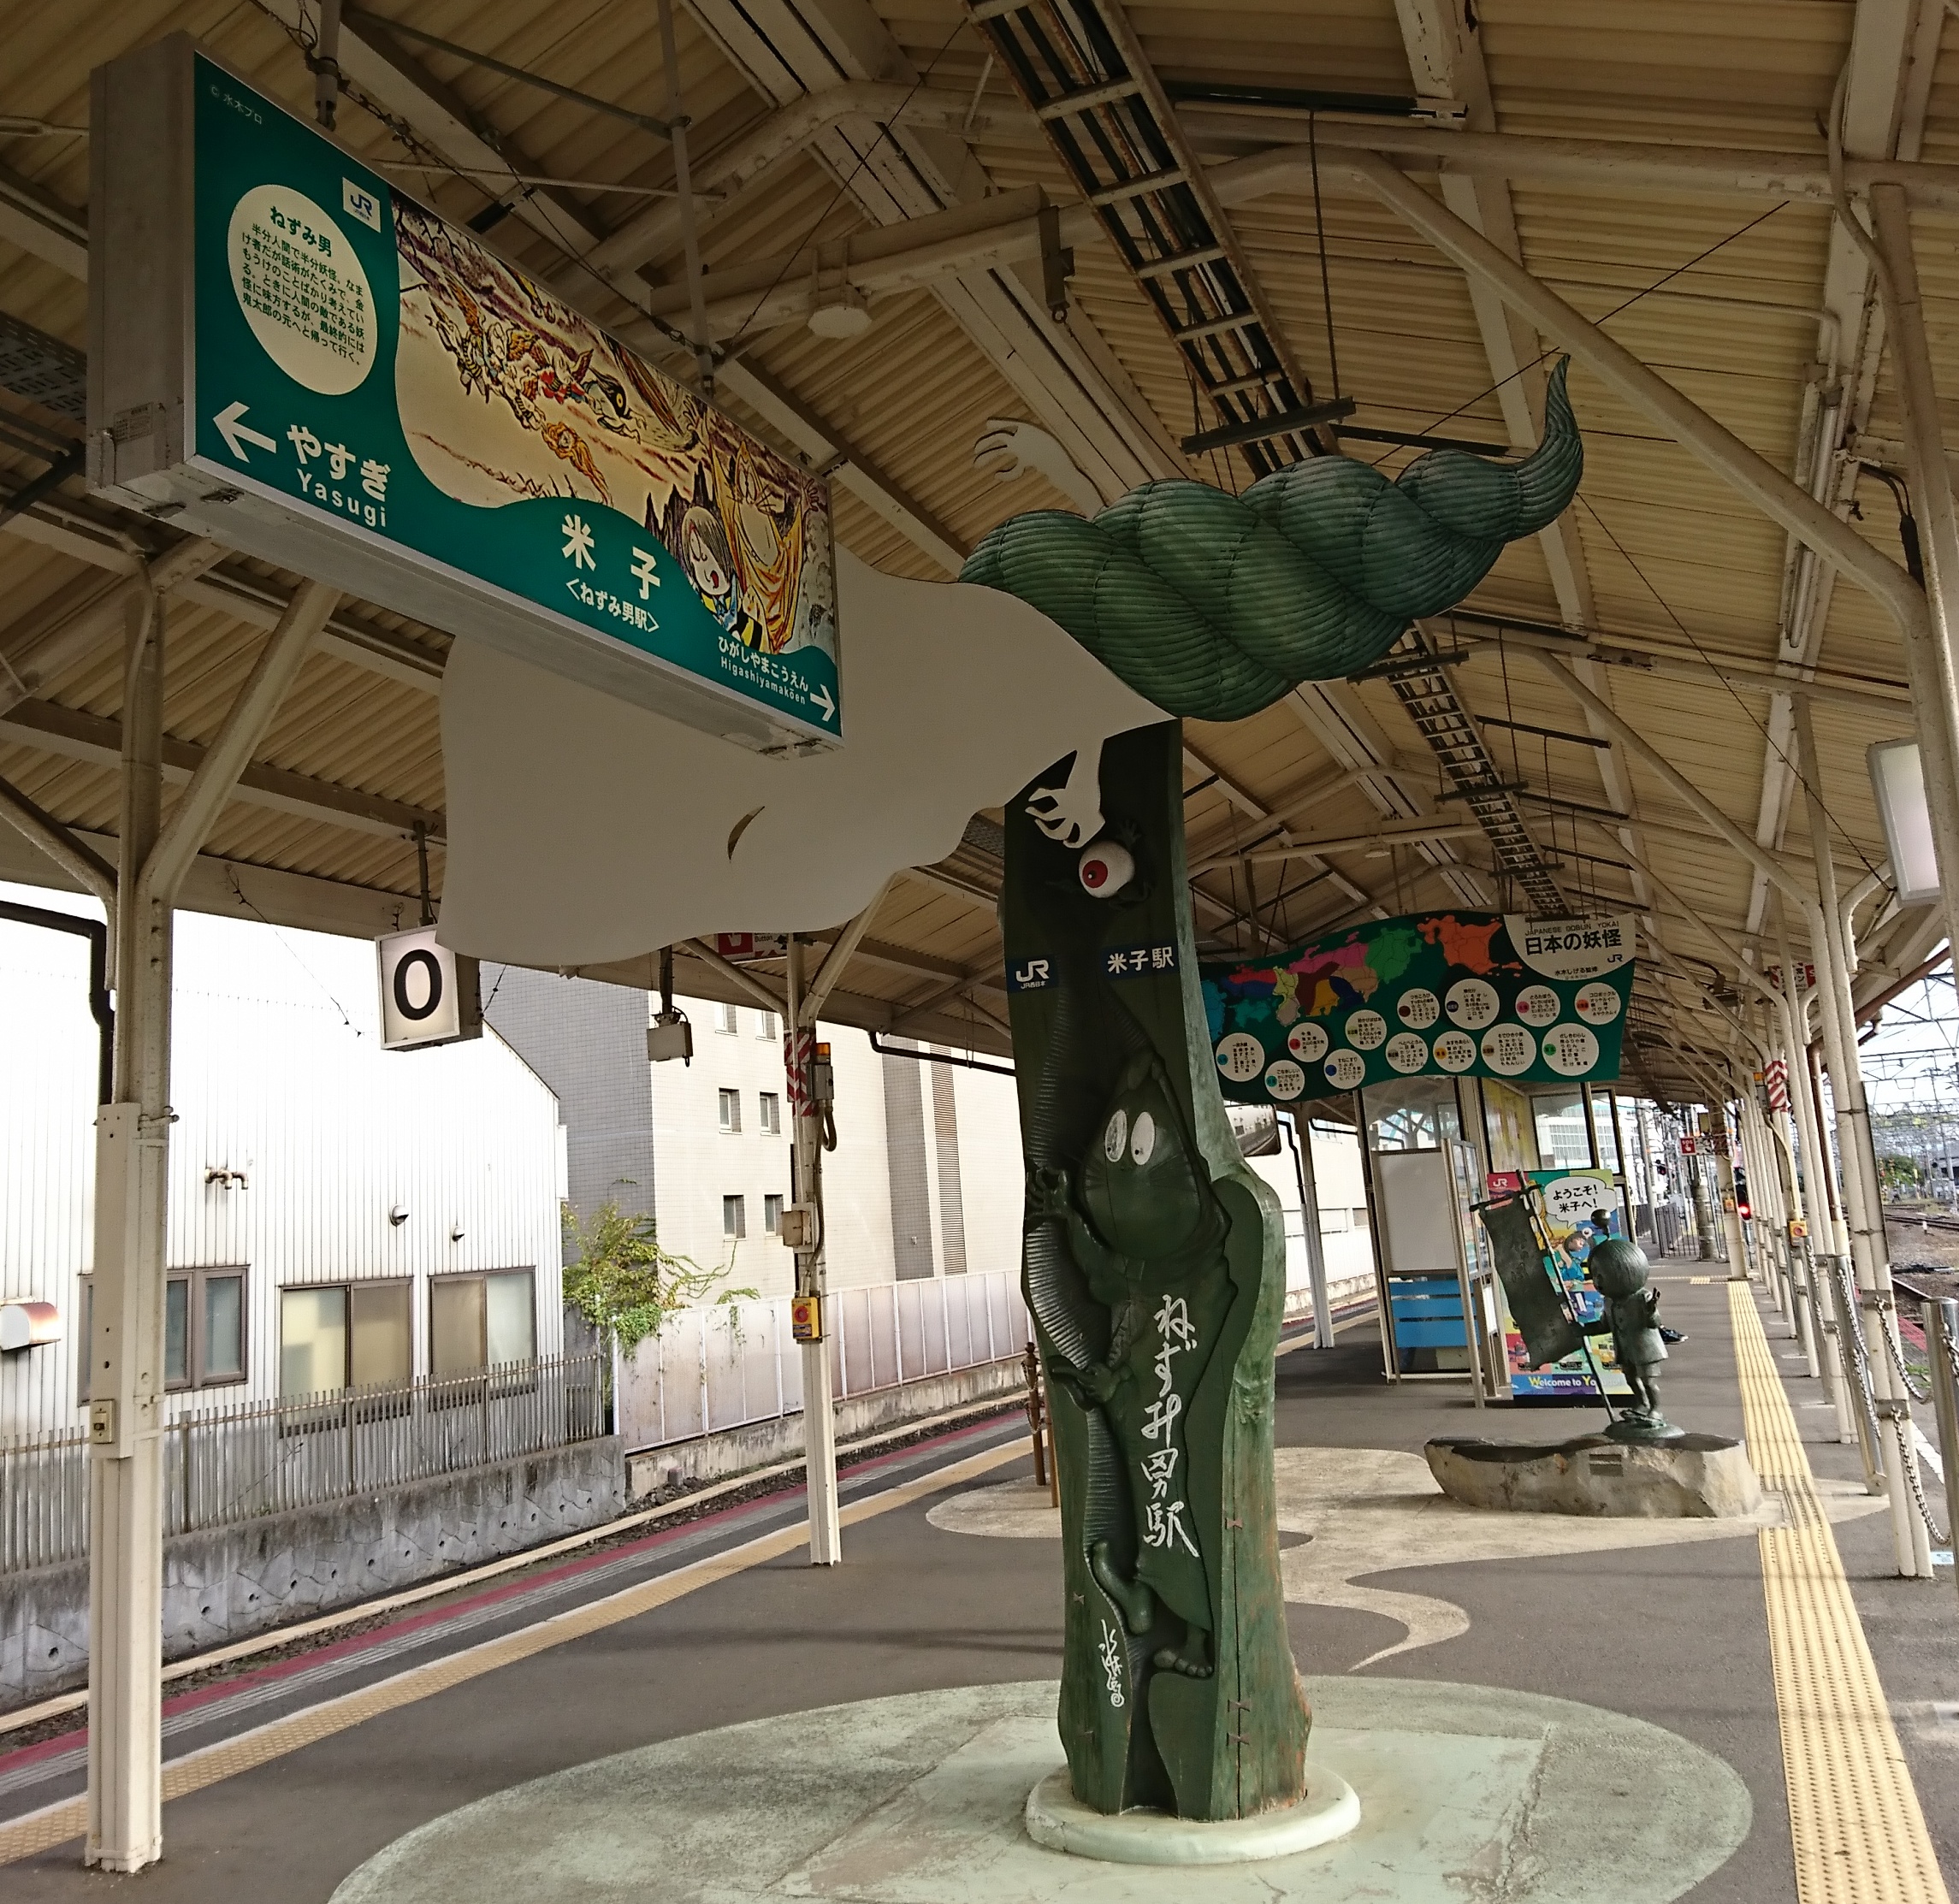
1929, 653
819, 1404
126, 1347
1309, 1227
1861, 1205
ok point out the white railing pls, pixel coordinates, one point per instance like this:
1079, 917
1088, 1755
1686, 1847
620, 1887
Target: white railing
233, 1463
725, 1366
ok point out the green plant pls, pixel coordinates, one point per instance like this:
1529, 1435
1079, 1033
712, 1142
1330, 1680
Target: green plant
625, 1284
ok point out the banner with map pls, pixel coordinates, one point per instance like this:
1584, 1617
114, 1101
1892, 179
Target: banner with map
1455, 994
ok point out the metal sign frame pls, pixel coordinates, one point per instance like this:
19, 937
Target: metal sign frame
292, 357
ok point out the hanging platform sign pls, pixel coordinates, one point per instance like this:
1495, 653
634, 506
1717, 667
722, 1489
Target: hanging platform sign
1487, 995
291, 357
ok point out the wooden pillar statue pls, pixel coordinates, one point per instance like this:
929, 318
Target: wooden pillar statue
1154, 1267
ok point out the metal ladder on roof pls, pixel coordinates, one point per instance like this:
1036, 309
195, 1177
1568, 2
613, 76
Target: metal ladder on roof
1419, 678
1081, 69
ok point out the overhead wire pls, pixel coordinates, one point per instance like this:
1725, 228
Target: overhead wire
1755, 720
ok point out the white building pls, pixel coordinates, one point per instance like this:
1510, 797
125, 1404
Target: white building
925, 1178
338, 1213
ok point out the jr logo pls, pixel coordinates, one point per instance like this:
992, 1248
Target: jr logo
1032, 976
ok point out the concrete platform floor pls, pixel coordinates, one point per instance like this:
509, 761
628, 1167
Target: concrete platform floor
724, 1622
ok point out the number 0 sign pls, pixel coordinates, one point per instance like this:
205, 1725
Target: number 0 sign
428, 994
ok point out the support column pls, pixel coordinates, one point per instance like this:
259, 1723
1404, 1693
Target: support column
126, 1333
1930, 651
1863, 1206
819, 1398
1310, 1225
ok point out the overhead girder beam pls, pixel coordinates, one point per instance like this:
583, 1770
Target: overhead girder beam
77, 735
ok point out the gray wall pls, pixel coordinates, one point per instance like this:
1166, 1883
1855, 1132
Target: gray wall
912, 1252
588, 1042
226, 1583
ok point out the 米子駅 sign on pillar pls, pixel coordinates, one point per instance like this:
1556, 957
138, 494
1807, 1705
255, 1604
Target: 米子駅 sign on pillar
291, 357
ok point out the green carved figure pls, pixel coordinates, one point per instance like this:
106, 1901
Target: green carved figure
1618, 1269
1147, 1234
1154, 1268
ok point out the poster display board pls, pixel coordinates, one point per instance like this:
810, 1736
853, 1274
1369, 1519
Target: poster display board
289, 355
1568, 1199
1448, 995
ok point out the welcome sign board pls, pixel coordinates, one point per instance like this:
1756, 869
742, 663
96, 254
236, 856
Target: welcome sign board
291, 357
1454, 994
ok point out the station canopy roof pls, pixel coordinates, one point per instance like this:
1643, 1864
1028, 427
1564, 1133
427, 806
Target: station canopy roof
1661, 169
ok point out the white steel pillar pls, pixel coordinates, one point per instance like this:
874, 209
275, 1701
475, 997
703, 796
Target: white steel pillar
126, 1334
1861, 1206
126, 1330
819, 1400
1929, 654
1309, 1227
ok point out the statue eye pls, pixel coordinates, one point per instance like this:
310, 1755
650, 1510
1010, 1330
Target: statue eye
1116, 1137
1144, 1140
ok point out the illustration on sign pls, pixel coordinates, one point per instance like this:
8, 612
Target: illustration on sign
354, 357
1571, 1198
1439, 994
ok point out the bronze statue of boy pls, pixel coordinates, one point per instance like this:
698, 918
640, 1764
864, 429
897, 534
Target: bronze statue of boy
1618, 1270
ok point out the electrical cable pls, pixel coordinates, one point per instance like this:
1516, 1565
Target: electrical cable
1700, 258
1863, 858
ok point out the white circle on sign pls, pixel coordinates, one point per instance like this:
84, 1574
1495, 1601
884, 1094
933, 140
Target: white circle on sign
1509, 1049
1455, 1050
1571, 1051
1406, 1052
1538, 1005
1307, 1042
1418, 1009
1345, 1070
1472, 1004
1240, 1056
303, 289
1366, 1031
1285, 1079
1597, 1003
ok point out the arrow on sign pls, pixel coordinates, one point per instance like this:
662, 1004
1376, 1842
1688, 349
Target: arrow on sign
237, 435
821, 695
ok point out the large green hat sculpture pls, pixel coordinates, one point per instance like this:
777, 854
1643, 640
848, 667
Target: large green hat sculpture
1214, 606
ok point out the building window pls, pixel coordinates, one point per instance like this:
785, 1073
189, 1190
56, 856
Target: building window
734, 1216
770, 1113
344, 1335
203, 1328
731, 1112
481, 1322
728, 1019
767, 1026
771, 1214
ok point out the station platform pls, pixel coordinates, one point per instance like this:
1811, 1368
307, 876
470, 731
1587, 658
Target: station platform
291, 1773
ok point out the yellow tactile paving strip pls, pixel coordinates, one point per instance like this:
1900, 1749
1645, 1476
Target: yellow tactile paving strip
56, 1823
1859, 1830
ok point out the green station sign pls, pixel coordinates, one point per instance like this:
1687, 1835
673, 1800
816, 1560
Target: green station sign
1455, 994
301, 361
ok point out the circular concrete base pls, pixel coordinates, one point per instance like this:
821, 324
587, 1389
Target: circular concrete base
922, 1798
1056, 1818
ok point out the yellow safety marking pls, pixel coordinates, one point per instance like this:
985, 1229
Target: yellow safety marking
54, 1824
1854, 1815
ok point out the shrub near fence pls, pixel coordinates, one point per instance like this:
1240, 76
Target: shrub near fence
226, 1464
727, 1365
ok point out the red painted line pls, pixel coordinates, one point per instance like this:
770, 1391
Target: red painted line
360, 1642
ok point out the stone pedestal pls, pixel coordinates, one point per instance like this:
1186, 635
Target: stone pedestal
1690, 1476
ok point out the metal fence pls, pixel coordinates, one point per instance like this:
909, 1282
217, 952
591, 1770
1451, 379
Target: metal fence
233, 1464
730, 1364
